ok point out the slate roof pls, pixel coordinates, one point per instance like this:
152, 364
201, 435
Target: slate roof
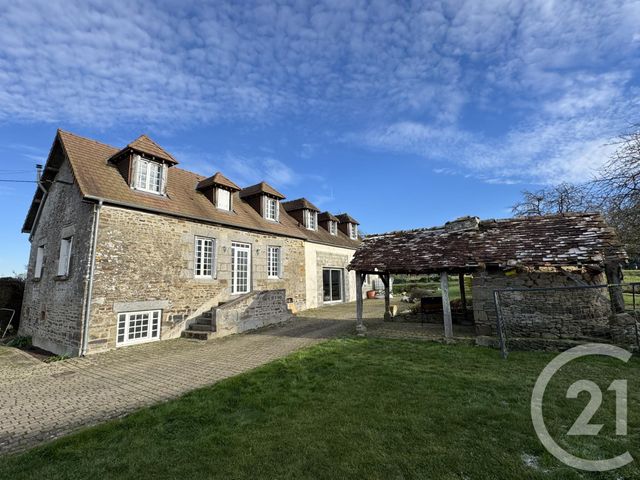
258, 188
547, 241
326, 216
98, 179
299, 204
217, 179
346, 218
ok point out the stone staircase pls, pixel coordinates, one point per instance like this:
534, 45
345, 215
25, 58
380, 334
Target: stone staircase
203, 328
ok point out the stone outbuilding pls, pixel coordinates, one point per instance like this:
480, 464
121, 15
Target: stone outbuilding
572, 250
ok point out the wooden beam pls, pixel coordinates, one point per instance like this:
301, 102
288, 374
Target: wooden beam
360, 328
387, 296
446, 306
463, 295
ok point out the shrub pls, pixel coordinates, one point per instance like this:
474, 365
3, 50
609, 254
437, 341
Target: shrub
20, 342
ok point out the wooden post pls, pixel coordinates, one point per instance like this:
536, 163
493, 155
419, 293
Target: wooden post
387, 302
360, 328
446, 306
463, 295
614, 277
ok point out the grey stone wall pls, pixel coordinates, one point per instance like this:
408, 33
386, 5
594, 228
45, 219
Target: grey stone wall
254, 310
333, 260
52, 307
552, 314
144, 257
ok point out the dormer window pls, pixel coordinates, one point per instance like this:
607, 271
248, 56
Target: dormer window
311, 219
149, 176
271, 208
333, 227
223, 199
353, 231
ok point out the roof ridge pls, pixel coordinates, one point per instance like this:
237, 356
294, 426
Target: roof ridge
60, 130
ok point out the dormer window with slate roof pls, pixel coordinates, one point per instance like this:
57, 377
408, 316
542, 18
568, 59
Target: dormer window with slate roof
144, 165
219, 190
348, 225
264, 199
329, 222
305, 212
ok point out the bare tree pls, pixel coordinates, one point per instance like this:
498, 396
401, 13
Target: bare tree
558, 199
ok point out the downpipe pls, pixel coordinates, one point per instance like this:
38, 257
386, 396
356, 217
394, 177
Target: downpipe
92, 267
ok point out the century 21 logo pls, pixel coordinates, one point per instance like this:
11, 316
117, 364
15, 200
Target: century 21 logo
582, 426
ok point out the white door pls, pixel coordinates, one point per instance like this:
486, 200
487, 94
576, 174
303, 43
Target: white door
240, 268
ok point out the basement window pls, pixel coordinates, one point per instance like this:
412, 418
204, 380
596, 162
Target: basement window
138, 327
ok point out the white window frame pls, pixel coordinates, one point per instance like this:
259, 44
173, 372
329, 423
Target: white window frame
200, 269
64, 258
236, 247
353, 231
271, 208
221, 192
333, 227
144, 167
274, 266
124, 324
310, 219
39, 266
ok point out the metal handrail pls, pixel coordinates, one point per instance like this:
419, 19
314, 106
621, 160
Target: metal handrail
13, 314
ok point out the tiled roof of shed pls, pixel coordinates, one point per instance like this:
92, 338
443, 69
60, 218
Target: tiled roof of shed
553, 241
299, 204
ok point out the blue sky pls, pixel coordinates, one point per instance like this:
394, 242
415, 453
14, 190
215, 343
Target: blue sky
404, 115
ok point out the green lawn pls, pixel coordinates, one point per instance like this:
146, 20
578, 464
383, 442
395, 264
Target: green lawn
353, 408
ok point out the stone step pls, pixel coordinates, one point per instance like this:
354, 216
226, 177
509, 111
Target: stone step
196, 335
203, 321
208, 314
201, 327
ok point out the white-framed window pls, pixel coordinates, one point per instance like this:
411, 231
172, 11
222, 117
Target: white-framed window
223, 199
37, 271
240, 268
274, 262
353, 231
64, 259
138, 327
271, 210
204, 262
311, 219
149, 175
333, 227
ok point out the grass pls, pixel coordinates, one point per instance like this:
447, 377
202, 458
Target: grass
353, 408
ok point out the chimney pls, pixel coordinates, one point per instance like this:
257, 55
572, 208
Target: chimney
462, 224
38, 172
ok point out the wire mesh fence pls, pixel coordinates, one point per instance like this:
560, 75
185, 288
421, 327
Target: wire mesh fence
559, 317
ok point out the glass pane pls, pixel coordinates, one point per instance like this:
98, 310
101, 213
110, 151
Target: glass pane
336, 284
326, 285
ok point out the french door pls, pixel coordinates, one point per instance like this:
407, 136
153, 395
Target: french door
332, 285
240, 268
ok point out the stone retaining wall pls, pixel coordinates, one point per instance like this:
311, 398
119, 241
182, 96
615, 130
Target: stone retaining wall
251, 311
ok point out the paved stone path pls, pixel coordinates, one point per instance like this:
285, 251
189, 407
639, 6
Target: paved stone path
39, 402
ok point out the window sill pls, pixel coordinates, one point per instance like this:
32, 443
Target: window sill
61, 278
274, 278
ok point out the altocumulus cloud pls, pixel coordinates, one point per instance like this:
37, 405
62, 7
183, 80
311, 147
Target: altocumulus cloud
402, 76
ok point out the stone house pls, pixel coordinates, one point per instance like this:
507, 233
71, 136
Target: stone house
533, 257
128, 248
